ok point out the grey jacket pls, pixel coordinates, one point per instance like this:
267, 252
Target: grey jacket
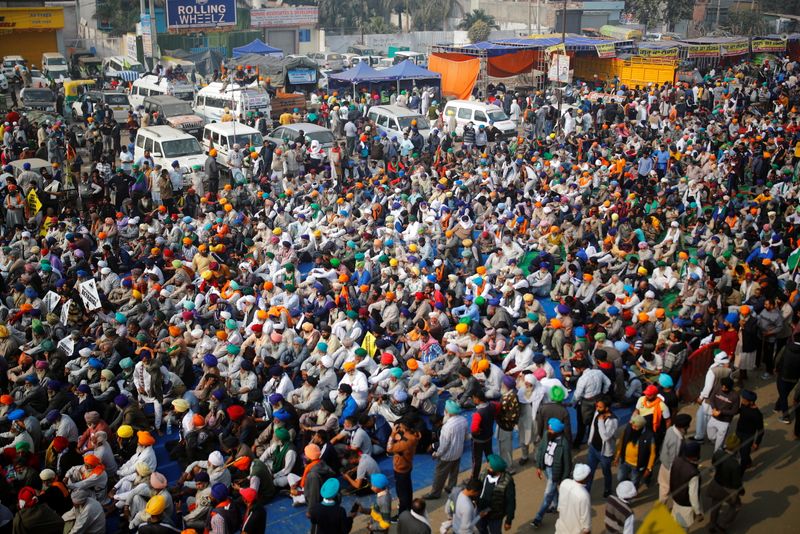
673, 440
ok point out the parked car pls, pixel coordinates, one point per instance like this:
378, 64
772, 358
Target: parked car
312, 132
175, 112
480, 114
38, 98
9, 62
328, 60
118, 102
167, 144
54, 66
392, 120
362, 50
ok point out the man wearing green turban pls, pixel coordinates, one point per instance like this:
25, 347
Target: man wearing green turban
498, 496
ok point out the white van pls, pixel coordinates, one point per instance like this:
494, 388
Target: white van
211, 100
392, 120
54, 66
167, 144
122, 67
479, 114
223, 135
417, 58
152, 85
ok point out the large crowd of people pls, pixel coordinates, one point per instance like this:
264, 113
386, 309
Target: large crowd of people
179, 350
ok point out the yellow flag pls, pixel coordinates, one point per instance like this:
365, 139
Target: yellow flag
34, 204
376, 515
660, 521
369, 344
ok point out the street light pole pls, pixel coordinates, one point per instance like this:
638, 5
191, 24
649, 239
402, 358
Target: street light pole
153, 32
564, 45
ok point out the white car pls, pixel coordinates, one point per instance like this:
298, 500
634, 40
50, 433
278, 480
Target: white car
167, 144
38, 79
9, 62
118, 102
3, 82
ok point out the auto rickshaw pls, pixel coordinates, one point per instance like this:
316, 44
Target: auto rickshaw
74, 89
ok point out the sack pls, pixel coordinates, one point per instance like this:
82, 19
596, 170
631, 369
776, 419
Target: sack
508, 414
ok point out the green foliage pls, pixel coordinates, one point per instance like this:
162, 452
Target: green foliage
479, 15
647, 12
378, 25
120, 16
479, 31
746, 22
677, 10
362, 15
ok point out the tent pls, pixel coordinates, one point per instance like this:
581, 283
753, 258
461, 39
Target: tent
361, 73
408, 70
277, 69
205, 63
257, 47
407, 73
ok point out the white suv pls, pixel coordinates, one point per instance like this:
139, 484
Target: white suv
166, 145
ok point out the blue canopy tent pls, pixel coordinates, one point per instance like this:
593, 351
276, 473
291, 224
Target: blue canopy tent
257, 47
361, 73
409, 71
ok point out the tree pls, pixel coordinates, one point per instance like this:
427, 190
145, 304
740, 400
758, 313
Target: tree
119, 16
378, 25
426, 15
746, 22
470, 19
676, 11
478, 32
647, 12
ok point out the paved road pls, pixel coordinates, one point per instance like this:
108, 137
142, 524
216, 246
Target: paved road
771, 503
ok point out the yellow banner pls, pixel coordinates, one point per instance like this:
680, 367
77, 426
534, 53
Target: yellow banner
735, 49
556, 49
663, 53
606, 50
769, 45
369, 344
31, 18
660, 521
34, 204
703, 51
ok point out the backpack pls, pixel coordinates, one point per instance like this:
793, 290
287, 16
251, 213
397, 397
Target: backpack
508, 414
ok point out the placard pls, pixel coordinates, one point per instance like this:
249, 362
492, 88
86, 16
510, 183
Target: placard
559, 69
66, 345
738, 48
607, 50
89, 295
768, 46
663, 53
698, 51
34, 204
282, 17
196, 14
50, 301
64, 317
301, 76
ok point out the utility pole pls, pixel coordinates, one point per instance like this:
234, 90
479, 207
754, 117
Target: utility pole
153, 32
716, 23
530, 14
538, 20
564, 44
77, 18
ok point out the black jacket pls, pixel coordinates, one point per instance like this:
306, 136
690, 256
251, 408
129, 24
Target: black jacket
787, 364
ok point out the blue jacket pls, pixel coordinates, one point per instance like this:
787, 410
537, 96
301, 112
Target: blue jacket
350, 408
